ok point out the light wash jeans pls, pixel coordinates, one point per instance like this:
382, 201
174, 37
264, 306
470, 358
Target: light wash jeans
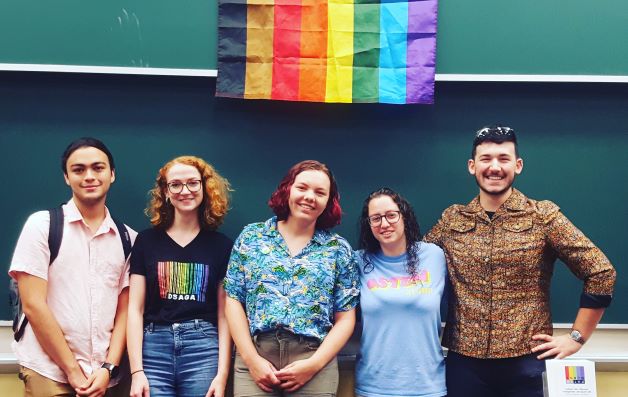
181, 359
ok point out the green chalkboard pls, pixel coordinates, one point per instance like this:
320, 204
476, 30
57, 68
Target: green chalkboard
142, 33
579, 37
574, 140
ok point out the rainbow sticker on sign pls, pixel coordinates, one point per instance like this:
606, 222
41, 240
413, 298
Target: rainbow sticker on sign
327, 50
574, 375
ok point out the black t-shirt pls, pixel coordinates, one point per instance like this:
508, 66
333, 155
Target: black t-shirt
181, 282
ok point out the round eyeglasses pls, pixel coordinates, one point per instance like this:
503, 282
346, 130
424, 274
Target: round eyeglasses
391, 217
193, 186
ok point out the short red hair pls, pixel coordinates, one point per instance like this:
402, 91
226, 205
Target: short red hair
279, 199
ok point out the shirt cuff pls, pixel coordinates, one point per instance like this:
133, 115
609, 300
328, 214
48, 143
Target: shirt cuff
594, 301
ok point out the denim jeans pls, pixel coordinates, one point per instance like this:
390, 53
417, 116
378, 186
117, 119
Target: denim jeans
180, 359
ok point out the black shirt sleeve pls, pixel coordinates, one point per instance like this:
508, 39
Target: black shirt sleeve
137, 255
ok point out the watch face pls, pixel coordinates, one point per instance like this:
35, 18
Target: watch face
577, 336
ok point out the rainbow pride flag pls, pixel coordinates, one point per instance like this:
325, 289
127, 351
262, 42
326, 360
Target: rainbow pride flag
327, 50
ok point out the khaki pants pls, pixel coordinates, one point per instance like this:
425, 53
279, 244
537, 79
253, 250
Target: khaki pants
281, 348
36, 385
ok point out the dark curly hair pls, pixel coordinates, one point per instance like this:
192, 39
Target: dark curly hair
370, 245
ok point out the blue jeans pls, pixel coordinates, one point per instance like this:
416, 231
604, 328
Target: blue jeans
180, 359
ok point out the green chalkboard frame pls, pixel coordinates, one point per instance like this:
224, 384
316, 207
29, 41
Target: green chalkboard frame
535, 40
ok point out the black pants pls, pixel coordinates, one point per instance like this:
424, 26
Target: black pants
499, 377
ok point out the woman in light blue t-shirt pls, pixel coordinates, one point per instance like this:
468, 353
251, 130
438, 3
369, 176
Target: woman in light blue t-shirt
402, 281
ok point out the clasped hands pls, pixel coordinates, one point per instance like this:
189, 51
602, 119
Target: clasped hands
290, 378
94, 385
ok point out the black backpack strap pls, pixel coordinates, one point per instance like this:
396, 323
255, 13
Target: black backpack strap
124, 236
55, 233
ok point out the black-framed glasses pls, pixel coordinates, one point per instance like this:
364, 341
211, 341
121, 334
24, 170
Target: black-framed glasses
498, 130
193, 186
391, 217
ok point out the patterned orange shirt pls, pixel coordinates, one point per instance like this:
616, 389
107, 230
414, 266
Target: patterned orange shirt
500, 273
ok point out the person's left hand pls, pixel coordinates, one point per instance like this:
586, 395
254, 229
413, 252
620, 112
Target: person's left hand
296, 374
558, 346
96, 385
217, 387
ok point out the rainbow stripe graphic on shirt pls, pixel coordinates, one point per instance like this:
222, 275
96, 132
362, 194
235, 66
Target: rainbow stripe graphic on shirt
422, 279
574, 375
182, 280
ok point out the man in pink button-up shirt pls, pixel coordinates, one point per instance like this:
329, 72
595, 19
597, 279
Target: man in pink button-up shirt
76, 306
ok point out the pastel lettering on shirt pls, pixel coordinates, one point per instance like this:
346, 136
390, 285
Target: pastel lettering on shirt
422, 279
182, 281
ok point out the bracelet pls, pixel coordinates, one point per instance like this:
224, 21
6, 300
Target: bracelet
134, 372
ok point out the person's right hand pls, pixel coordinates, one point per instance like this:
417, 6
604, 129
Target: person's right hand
263, 373
77, 378
139, 385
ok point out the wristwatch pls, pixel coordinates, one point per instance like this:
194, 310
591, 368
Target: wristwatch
113, 369
577, 336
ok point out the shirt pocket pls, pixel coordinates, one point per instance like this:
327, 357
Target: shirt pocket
522, 248
112, 272
462, 226
518, 226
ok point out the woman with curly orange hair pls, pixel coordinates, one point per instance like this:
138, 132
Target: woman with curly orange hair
177, 335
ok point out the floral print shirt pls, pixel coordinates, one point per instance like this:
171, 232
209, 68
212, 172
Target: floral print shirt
500, 271
298, 293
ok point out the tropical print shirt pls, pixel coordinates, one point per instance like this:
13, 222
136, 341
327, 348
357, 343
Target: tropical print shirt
298, 293
500, 271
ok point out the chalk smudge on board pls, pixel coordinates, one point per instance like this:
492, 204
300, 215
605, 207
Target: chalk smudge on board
130, 37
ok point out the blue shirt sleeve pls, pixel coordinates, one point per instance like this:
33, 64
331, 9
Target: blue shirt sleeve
234, 283
346, 291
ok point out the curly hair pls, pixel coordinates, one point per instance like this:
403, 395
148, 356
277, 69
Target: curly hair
412, 231
279, 199
215, 202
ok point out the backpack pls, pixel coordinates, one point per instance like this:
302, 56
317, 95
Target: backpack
55, 235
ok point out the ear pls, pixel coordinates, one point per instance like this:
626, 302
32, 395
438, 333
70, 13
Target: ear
471, 166
519, 166
113, 176
65, 176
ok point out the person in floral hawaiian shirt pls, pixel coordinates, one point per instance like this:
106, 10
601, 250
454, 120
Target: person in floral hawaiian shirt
292, 289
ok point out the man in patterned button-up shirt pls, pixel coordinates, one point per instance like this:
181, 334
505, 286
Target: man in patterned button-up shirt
500, 251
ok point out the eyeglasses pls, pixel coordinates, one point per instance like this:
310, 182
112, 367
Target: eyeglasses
391, 217
499, 130
193, 186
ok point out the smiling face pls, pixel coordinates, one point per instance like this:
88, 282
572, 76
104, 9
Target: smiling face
185, 200
495, 167
309, 194
391, 236
89, 175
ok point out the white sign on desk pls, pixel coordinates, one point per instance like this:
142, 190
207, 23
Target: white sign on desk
569, 378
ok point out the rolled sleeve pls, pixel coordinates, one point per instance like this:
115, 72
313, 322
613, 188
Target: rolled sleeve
32, 254
584, 259
346, 291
